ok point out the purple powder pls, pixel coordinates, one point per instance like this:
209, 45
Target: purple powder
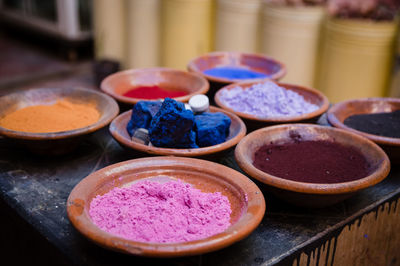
266, 99
169, 212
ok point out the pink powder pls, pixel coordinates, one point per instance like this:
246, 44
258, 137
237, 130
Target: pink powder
168, 212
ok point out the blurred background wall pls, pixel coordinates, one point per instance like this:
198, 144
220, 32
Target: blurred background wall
343, 56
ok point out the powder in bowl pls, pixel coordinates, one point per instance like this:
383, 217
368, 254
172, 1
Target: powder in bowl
169, 212
266, 100
312, 161
153, 92
380, 124
234, 72
61, 116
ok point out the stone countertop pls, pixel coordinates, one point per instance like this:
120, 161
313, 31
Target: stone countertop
37, 188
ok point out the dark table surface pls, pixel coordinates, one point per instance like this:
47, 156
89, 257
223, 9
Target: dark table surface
36, 189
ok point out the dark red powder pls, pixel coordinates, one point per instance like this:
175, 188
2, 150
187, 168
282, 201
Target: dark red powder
153, 92
312, 161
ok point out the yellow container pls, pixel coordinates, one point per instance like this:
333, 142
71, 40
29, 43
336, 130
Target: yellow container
356, 58
109, 30
143, 33
395, 83
237, 25
397, 44
291, 35
187, 30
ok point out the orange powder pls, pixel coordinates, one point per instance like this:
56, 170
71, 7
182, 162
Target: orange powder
61, 116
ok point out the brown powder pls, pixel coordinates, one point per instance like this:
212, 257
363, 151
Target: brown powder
312, 161
61, 116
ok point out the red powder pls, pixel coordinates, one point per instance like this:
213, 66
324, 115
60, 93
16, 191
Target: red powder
153, 92
312, 162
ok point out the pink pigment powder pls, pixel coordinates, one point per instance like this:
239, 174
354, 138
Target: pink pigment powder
168, 212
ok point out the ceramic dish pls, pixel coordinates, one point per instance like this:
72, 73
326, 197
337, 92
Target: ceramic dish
253, 122
247, 202
57, 142
254, 62
119, 83
274, 69
311, 194
237, 131
339, 112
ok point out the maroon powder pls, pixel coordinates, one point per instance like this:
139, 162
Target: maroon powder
153, 92
312, 161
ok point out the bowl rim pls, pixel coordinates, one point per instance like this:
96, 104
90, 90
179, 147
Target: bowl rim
192, 67
313, 188
283, 119
191, 152
334, 121
128, 100
112, 108
252, 215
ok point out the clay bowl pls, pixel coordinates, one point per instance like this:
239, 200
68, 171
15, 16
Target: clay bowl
169, 79
253, 122
311, 194
247, 202
57, 142
255, 62
339, 112
237, 131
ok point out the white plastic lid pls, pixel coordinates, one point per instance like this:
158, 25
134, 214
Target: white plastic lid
199, 103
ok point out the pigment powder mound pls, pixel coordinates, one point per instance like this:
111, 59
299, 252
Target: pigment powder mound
380, 124
61, 116
169, 212
266, 100
153, 92
312, 161
231, 72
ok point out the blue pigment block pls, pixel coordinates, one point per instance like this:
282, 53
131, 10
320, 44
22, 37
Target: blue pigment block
173, 126
211, 128
142, 114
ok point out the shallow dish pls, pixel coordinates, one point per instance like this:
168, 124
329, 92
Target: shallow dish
119, 83
340, 111
274, 69
311, 194
254, 62
237, 131
63, 141
247, 202
253, 122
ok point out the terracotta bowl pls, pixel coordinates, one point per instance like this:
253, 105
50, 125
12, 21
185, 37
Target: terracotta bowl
253, 122
247, 202
339, 112
311, 194
119, 83
274, 69
58, 142
237, 131
255, 62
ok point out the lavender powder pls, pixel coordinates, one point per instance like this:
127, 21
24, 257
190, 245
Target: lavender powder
266, 100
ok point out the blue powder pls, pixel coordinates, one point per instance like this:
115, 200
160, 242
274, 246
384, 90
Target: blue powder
173, 126
230, 72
